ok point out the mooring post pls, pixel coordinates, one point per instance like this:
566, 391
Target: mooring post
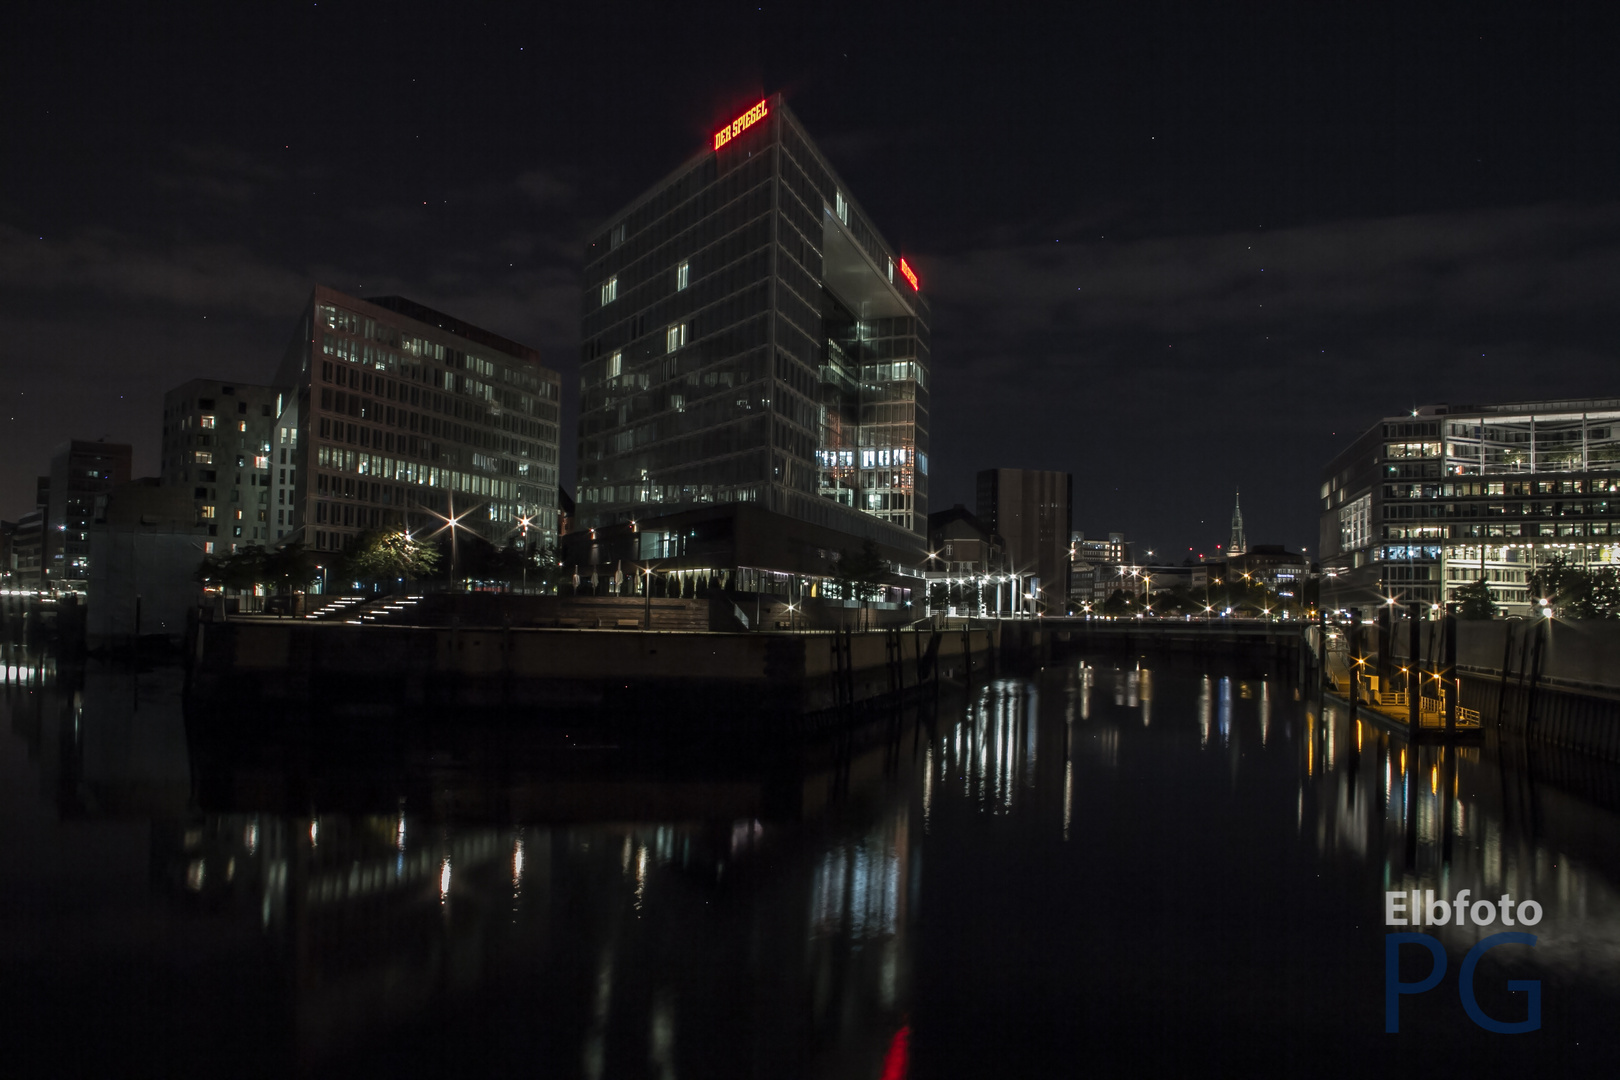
1453, 682
1502, 684
1414, 666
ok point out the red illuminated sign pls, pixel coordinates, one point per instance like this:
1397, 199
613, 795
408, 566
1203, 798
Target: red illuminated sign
910, 275
739, 125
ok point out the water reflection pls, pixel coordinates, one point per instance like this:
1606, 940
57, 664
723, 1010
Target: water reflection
481, 900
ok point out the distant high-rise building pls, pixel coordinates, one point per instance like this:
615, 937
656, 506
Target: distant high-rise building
8, 558
82, 474
752, 349
393, 414
1429, 501
28, 539
1239, 543
1032, 511
217, 445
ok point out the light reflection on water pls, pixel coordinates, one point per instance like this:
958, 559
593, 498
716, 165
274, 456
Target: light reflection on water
754, 920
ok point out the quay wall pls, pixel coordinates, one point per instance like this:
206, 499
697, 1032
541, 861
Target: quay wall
1553, 681
651, 673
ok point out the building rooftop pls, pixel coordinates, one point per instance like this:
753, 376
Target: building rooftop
1517, 407
449, 323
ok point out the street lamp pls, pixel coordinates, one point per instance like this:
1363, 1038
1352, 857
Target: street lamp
524, 521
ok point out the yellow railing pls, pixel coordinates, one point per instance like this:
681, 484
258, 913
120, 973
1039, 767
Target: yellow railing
1432, 714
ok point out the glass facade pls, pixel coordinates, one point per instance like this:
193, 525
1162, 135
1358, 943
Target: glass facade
1424, 504
746, 338
395, 414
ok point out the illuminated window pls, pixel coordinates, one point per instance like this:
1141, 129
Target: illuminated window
202, 457
675, 337
616, 237
208, 512
615, 365
841, 207
868, 459
262, 461
682, 275
891, 271
610, 290
205, 421
241, 425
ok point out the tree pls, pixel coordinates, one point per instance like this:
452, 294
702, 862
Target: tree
1475, 601
389, 556
546, 571
290, 568
1117, 604
1575, 592
239, 570
862, 572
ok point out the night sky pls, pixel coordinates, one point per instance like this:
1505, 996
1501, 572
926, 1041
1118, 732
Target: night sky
1175, 250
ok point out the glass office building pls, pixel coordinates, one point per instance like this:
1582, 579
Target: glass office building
1426, 503
750, 338
394, 414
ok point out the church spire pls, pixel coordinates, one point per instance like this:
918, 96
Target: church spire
1239, 543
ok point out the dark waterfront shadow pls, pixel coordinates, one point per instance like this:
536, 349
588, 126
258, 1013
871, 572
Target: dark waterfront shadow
1116, 865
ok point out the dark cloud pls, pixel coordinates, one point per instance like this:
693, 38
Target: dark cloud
112, 265
1173, 252
545, 189
1538, 259
1188, 366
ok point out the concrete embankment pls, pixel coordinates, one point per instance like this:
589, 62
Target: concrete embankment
649, 674
1553, 681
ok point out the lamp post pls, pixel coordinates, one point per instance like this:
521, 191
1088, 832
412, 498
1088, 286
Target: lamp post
524, 521
646, 597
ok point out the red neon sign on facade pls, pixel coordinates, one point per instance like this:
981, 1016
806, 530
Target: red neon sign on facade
910, 275
740, 125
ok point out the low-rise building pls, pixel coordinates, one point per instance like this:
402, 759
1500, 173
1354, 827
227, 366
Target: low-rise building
1095, 567
144, 552
1272, 565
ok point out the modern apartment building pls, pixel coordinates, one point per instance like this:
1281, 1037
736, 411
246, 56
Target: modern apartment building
1424, 503
1032, 511
751, 340
83, 473
393, 414
217, 444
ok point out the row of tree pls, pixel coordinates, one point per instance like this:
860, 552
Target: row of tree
388, 558
384, 557
1239, 597
1572, 591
